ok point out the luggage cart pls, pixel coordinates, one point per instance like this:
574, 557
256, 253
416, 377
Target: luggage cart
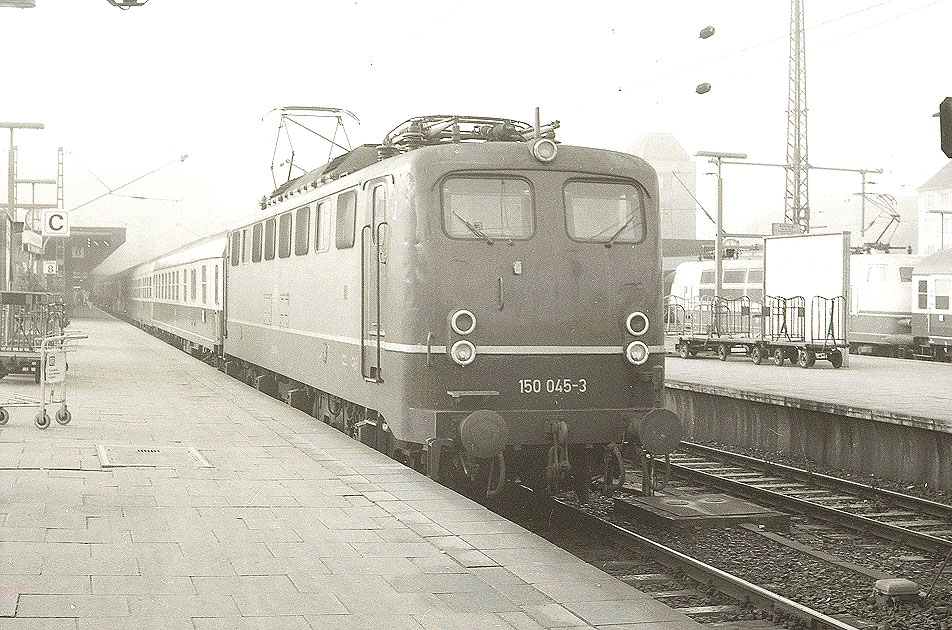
52, 353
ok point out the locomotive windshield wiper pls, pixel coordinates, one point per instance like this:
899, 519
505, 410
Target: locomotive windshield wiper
623, 227
472, 228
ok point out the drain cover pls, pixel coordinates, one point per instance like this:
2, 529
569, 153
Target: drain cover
150, 456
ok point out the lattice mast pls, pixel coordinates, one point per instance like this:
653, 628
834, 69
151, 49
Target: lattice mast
797, 198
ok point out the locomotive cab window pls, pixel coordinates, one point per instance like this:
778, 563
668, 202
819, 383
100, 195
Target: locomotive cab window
604, 212
905, 274
284, 235
346, 219
484, 208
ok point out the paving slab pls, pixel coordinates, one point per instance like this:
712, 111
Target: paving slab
181, 498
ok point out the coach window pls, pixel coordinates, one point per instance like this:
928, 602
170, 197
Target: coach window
755, 276
943, 289
735, 275
604, 212
269, 226
204, 285
216, 284
346, 219
256, 236
235, 249
284, 235
924, 294
176, 285
194, 287
185, 285
707, 277
245, 246
484, 208
322, 220
302, 230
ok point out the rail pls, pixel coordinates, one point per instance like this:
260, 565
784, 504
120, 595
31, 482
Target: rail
723, 581
883, 529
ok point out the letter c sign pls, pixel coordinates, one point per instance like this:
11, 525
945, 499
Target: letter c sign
55, 223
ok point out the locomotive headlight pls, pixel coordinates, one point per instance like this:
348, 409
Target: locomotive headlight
543, 149
636, 353
463, 322
464, 352
637, 323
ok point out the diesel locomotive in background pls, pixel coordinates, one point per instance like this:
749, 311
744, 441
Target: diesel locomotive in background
470, 297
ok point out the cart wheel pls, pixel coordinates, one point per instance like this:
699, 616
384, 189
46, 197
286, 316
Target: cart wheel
778, 356
63, 416
757, 355
723, 351
806, 358
4, 415
683, 350
42, 422
836, 358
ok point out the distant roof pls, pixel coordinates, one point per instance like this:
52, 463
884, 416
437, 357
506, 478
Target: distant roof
941, 180
938, 263
658, 146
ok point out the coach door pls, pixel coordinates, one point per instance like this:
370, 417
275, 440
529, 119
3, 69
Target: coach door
373, 258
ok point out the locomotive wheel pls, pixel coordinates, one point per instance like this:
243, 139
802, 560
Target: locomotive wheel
836, 358
683, 350
778, 356
722, 351
613, 469
757, 355
583, 475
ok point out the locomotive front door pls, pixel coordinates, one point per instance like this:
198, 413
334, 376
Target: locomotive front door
372, 246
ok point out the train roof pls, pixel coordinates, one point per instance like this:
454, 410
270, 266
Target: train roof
938, 263
203, 249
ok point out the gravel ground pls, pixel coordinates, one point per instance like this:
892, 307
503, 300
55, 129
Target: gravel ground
809, 580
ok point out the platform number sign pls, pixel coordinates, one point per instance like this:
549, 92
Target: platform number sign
49, 267
55, 223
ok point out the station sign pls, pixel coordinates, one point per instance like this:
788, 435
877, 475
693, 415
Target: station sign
49, 267
55, 223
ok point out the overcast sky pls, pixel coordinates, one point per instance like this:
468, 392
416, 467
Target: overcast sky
128, 91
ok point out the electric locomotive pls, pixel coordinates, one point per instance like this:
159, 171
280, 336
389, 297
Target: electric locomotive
470, 297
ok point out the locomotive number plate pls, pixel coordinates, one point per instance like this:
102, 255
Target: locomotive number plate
552, 386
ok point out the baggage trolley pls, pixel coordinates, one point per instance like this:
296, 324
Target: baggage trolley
52, 352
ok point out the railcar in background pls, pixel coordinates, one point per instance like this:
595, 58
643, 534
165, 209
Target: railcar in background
932, 306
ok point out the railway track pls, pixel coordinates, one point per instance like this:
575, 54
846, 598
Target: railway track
913, 521
683, 581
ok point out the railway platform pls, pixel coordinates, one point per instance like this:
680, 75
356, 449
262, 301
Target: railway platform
179, 497
888, 417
